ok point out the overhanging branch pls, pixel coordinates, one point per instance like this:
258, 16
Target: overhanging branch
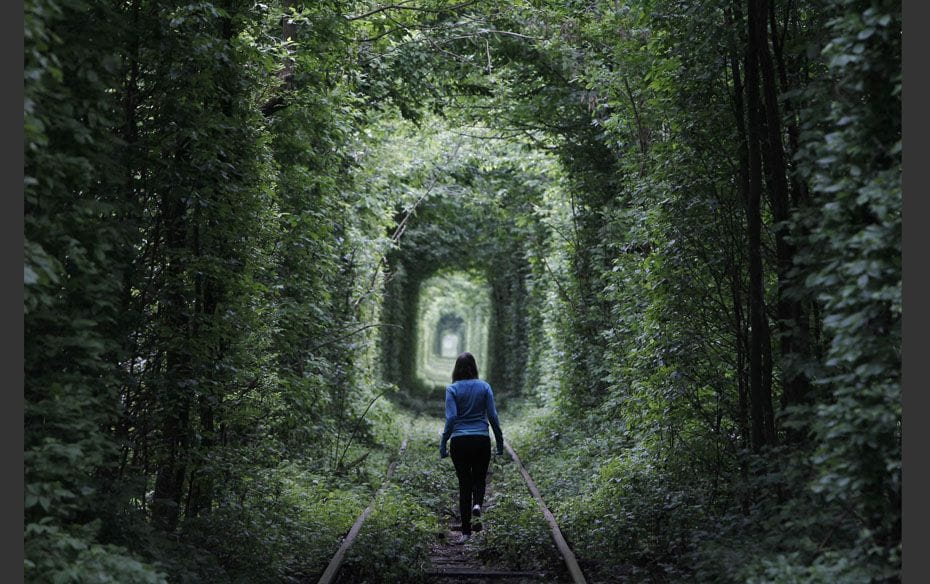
406, 6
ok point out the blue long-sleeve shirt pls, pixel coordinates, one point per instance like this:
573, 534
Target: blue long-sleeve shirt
469, 408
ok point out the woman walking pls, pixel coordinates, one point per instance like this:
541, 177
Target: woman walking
469, 408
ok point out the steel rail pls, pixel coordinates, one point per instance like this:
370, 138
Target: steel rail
329, 575
567, 555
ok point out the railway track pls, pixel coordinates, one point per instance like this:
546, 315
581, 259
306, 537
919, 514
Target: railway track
469, 563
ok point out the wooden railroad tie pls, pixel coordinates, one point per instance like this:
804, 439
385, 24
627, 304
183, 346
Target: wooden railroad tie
472, 573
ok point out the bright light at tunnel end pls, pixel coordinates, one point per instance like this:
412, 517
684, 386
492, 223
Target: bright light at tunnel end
453, 316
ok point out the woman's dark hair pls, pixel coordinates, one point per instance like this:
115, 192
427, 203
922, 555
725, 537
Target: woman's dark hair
465, 368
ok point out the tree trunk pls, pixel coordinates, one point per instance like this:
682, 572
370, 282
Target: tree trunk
176, 398
787, 310
797, 385
740, 333
759, 377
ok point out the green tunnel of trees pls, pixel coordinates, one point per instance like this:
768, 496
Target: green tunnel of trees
453, 313
460, 237
686, 217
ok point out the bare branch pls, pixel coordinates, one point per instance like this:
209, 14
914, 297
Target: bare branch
405, 6
402, 226
330, 341
563, 293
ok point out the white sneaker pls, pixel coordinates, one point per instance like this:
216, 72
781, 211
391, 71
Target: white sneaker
476, 510
463, 538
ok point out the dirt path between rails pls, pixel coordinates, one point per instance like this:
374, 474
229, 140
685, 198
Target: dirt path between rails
474, 562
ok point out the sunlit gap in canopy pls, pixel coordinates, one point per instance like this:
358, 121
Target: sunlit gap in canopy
453, 315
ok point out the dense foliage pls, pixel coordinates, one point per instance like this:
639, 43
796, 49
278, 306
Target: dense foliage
196, 275
688, 216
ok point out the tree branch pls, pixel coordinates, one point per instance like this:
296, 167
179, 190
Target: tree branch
402, 226
562, 292
405, 6
347, 335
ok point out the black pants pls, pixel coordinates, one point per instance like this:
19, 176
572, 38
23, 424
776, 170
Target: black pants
471, 456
